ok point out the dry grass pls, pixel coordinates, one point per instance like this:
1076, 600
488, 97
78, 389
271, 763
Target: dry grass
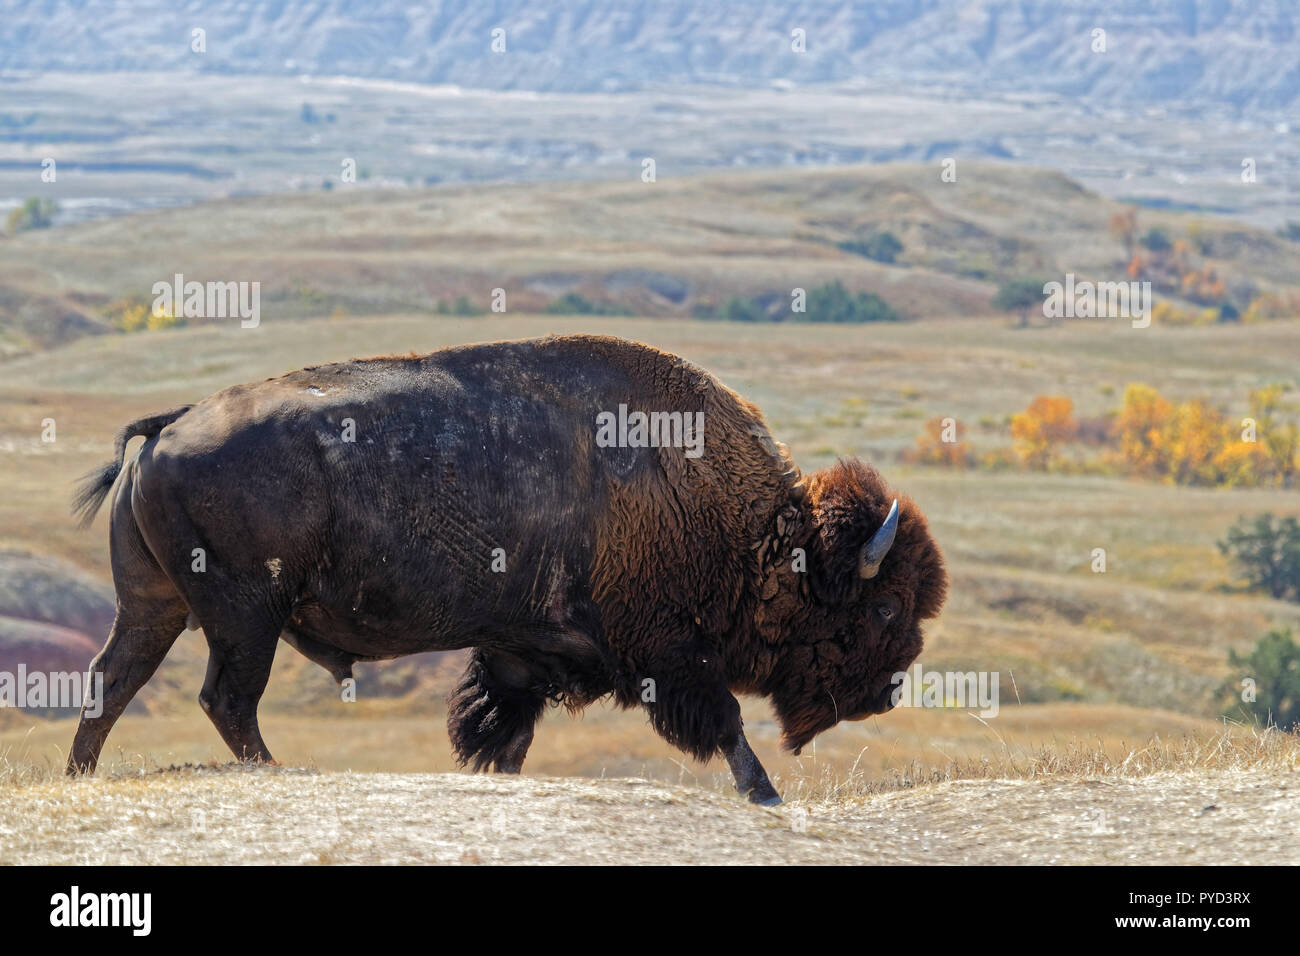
907, 749
1240, 750
1226, 800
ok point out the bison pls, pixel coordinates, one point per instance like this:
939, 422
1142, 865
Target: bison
591, 516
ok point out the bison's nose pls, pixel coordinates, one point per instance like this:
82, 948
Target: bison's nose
882, 704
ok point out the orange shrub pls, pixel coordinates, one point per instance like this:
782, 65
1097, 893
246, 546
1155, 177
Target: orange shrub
1042, 428
932, 449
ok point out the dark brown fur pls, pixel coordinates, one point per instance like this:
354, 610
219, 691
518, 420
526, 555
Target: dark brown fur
664, 580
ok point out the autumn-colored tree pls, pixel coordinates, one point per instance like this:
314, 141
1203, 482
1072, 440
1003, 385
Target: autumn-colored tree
1271, 305
1203, 286
942, 443
1040, 430
1190, 443
1166, 313
1139, 427
1123, 226
1239, 464
1279, 441
1194, 436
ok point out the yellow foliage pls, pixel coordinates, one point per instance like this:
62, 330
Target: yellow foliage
1141, 421
133, 318
161, 320
1165, 313
1193, 443
1240, 463
133, 315
1278, 442
1194, 436
1041, 428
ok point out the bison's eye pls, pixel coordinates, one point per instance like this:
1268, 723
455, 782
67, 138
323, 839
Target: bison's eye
886, 611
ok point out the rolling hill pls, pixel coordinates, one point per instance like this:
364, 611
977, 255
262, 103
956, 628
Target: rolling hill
667, 248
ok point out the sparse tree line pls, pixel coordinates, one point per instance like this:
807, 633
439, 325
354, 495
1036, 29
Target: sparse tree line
831, 302
1192, 290
1148, 436
571, 303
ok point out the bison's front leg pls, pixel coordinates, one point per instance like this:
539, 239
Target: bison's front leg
693, 709
751, 778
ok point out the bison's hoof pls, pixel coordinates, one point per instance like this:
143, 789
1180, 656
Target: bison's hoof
764, 796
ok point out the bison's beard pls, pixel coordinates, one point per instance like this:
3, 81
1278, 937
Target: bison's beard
801, 723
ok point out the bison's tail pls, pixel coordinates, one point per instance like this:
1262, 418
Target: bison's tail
96, 485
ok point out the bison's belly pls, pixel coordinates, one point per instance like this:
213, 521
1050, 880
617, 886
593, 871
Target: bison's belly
431, 597
366, 636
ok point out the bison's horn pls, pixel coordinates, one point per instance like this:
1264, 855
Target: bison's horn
874, 551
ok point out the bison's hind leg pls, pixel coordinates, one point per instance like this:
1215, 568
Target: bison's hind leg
143, 632
491, 714
241, 649
150, 616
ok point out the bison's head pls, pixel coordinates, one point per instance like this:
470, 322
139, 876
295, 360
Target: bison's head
874, 573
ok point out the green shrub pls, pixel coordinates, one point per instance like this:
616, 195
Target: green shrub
461, 306
1156, 240
1019, 295
744, 310
33, 214
826, 303
1267, 551
1273, 670
834, 303
573, 303
882, 247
